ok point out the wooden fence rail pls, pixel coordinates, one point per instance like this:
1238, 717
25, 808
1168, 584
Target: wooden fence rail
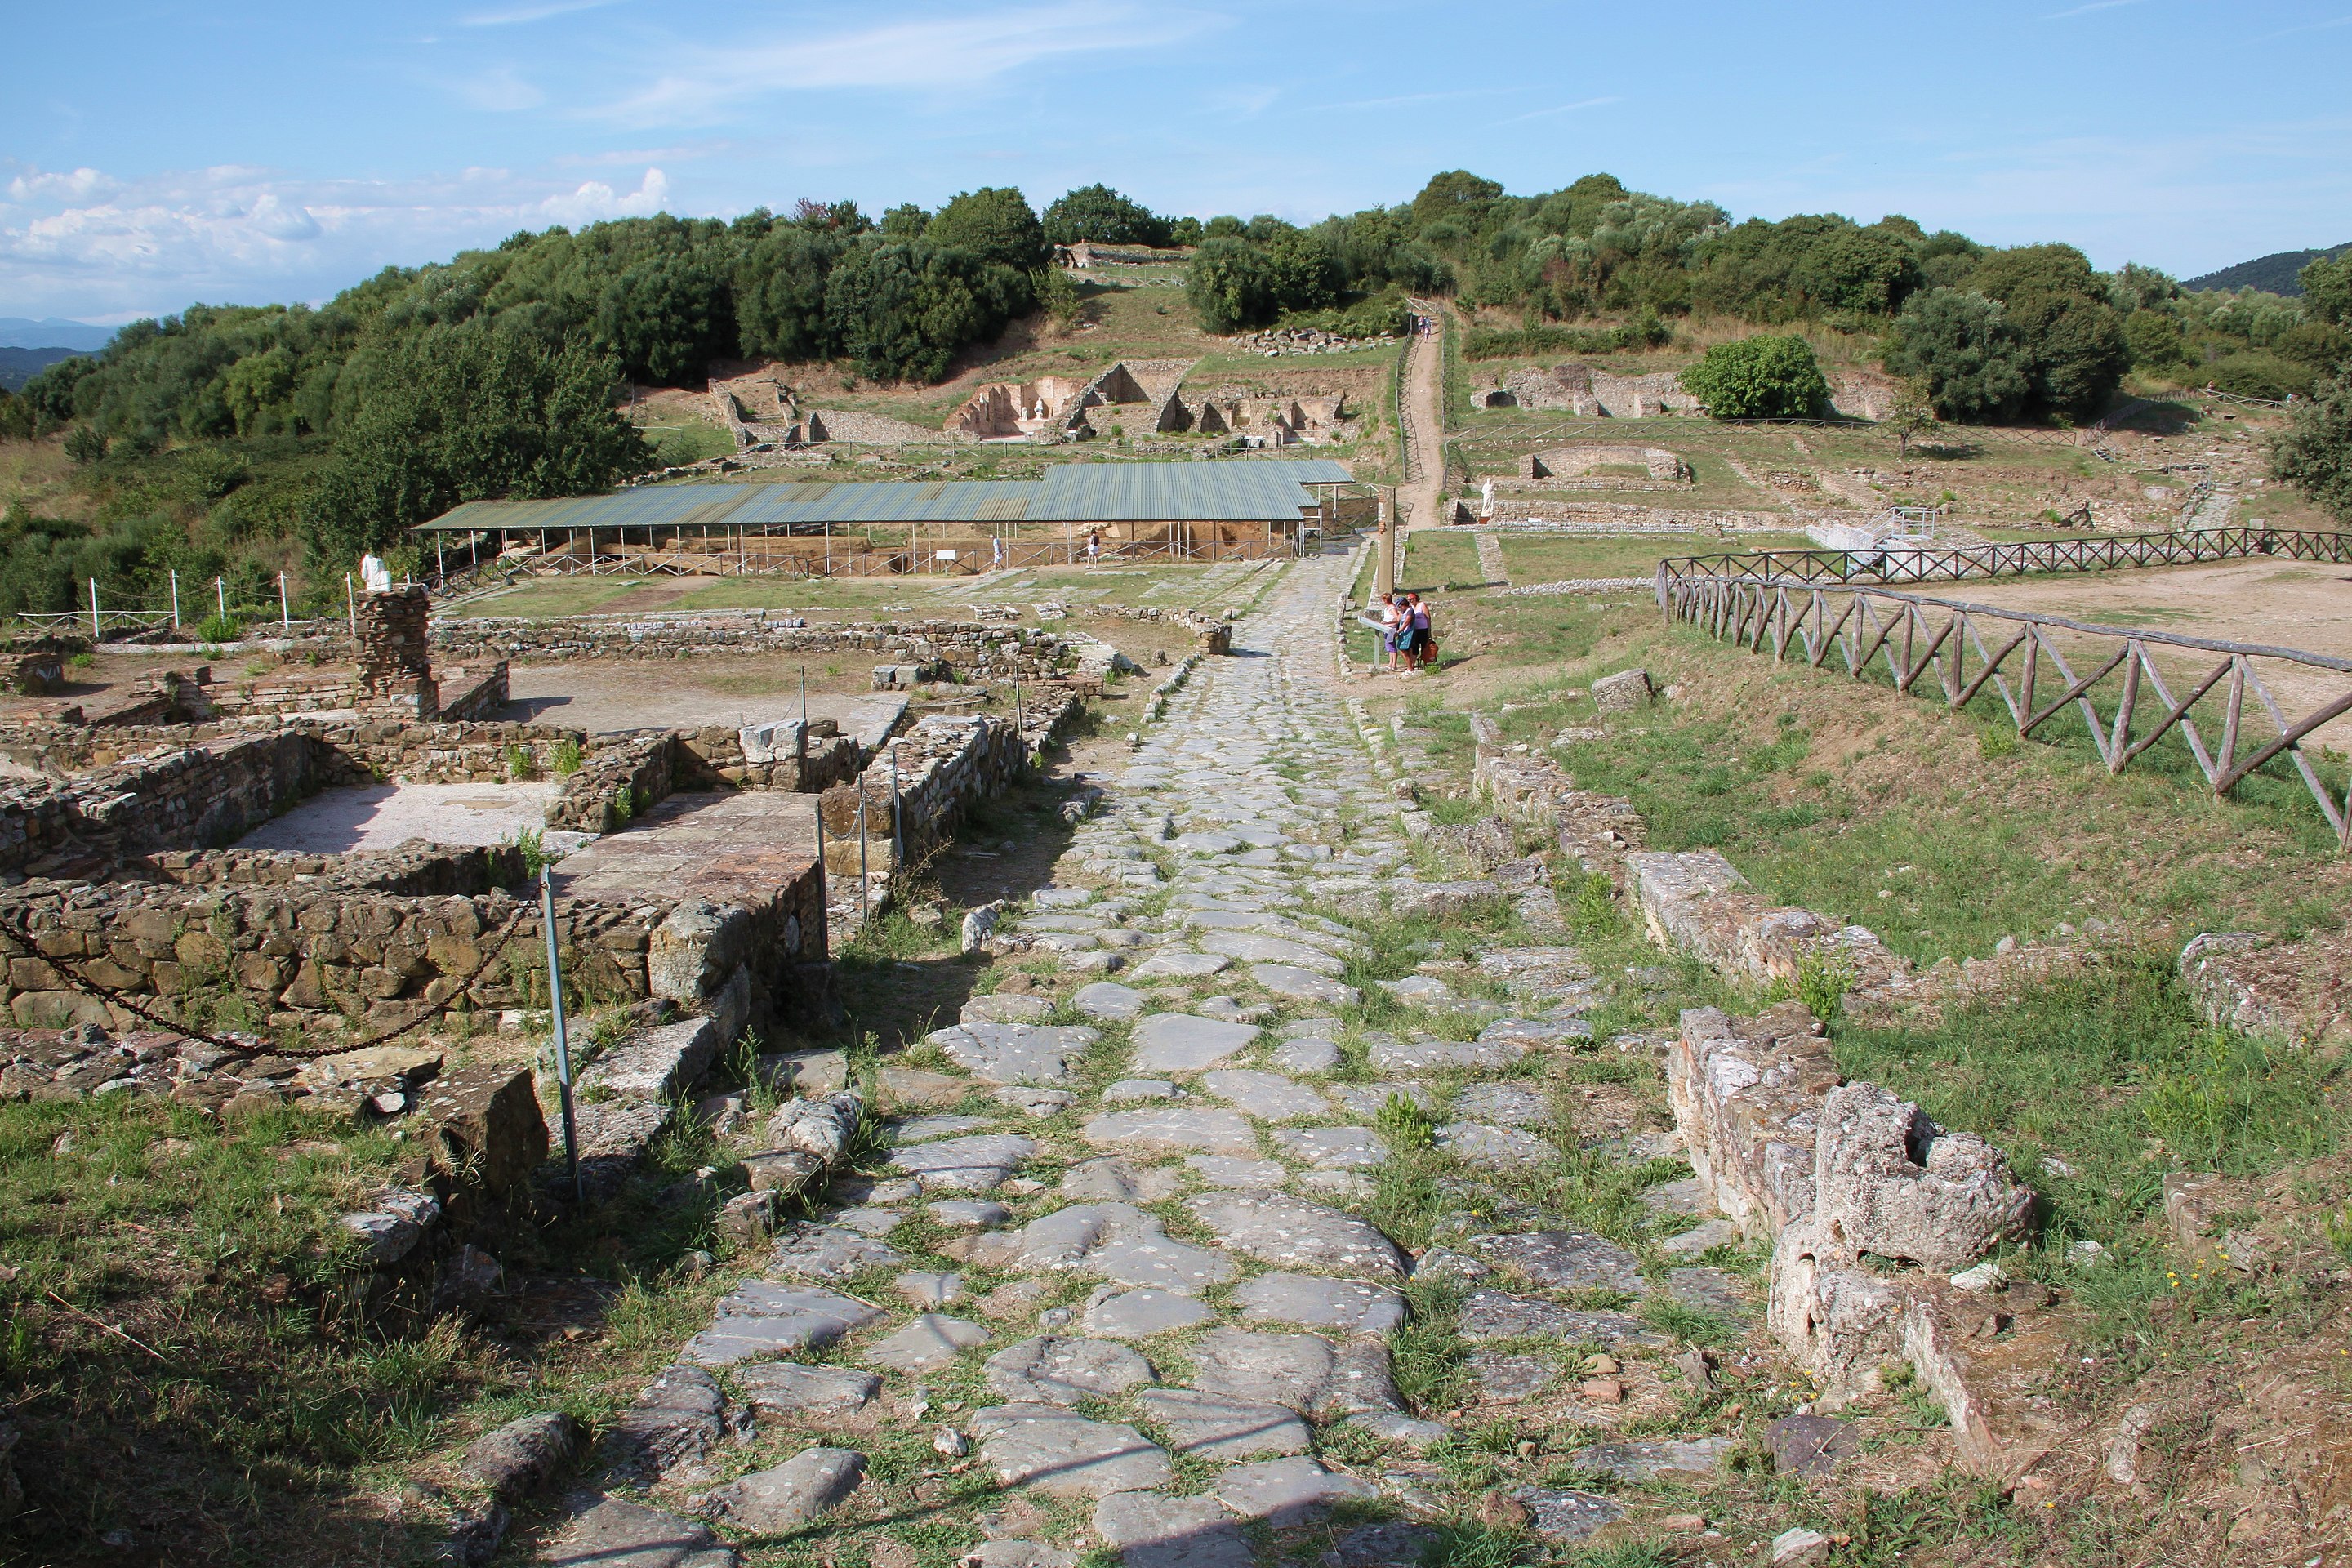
1970, 648
1905, 564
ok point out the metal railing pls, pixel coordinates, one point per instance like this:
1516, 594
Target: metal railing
1972, 648
1939, 563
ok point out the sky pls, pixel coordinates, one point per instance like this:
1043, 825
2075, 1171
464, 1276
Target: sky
158, 154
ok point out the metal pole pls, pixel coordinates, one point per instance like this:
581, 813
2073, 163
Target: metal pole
823, 877
441, 557
864, 886
804, 705
285, 611
176, 598
562, 1041
352, 603
897, 833
95, 635
220, 591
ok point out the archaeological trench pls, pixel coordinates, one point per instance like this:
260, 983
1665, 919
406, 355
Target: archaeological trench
1172, 1245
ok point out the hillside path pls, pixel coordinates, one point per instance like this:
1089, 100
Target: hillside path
1425, 423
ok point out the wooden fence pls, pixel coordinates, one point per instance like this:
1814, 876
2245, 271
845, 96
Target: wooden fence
1905, 564
1970, 648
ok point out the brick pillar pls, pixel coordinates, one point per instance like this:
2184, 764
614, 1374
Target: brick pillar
396, 657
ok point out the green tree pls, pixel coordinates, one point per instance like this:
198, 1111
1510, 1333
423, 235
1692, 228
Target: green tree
1962, 346
1300, 271
994, 224
901, 311
1099, 213
464, 413
2056, 303
2327, 287
1457, 196
256, 383
2155, 339
1185, 231
2315, 452
905, 221
1913, 414
1762, 378
778, 286
1230, 285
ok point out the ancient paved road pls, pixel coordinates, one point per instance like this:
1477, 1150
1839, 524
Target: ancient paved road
1198, 1155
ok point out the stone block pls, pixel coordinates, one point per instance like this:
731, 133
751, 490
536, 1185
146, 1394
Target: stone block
484, 1121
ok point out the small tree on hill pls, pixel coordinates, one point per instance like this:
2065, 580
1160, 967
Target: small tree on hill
1230, 285
1914, 413
1101, 214
2328, 287
1962, 346
993, 223
1763, 377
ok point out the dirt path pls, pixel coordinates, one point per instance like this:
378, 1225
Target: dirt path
1424, 421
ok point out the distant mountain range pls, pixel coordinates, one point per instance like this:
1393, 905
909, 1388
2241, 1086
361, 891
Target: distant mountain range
2273, 273
18, 366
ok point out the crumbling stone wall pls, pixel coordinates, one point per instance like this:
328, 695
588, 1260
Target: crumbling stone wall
971, 646
944, 764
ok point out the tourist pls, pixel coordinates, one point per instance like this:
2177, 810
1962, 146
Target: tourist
1383, 619
1093, 547
1414, 641
996, 554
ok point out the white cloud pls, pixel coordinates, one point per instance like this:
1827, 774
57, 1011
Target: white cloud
595, 200
238, 234
81, 183
928, 55
1560, 109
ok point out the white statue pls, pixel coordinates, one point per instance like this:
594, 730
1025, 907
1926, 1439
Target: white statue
1486, 500
375, 575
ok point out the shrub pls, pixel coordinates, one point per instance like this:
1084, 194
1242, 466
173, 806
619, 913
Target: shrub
1963, 347
2262, 375
85, 446
220, 628
520, 763
1762, 378
1230, 285
1645, 332
1822, 980
567, 758
2315, 453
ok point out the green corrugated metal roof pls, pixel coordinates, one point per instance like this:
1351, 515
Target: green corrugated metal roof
1255, 489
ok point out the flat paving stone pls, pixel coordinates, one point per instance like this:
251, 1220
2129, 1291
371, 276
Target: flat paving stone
1507, 1379
1015, 1052
1564, 1261
1214, 1427
1370, 1099
1267, 1096
1005, 1007
1111, 1002
1307, 1373
769, 1502
1334, 1148
1701, 1238
871, 1222
927, 1343
1306, 1053
1132, 1091
1503, 1105
1427, 1056
1661, 1460
974, 1164
1175, 1129
1149, 1530
1687, 1198
831, 1252
1173, 965
1286, 1492
968, 1214
1054, 1369
1140, 1313
1495, 1148
759, 1319
1294, 1233
1396, 1544
1499, 1315
1053, 1451
1311, 1301
928, 1128
929, 1289
788, 1388
609, 1533
1180, 1042
1117, 1180
1233, 1170
1811, 1445
1566, 1516
1272, 950
1117, 1241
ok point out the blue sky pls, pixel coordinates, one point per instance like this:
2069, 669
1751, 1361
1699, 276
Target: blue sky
159, 154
